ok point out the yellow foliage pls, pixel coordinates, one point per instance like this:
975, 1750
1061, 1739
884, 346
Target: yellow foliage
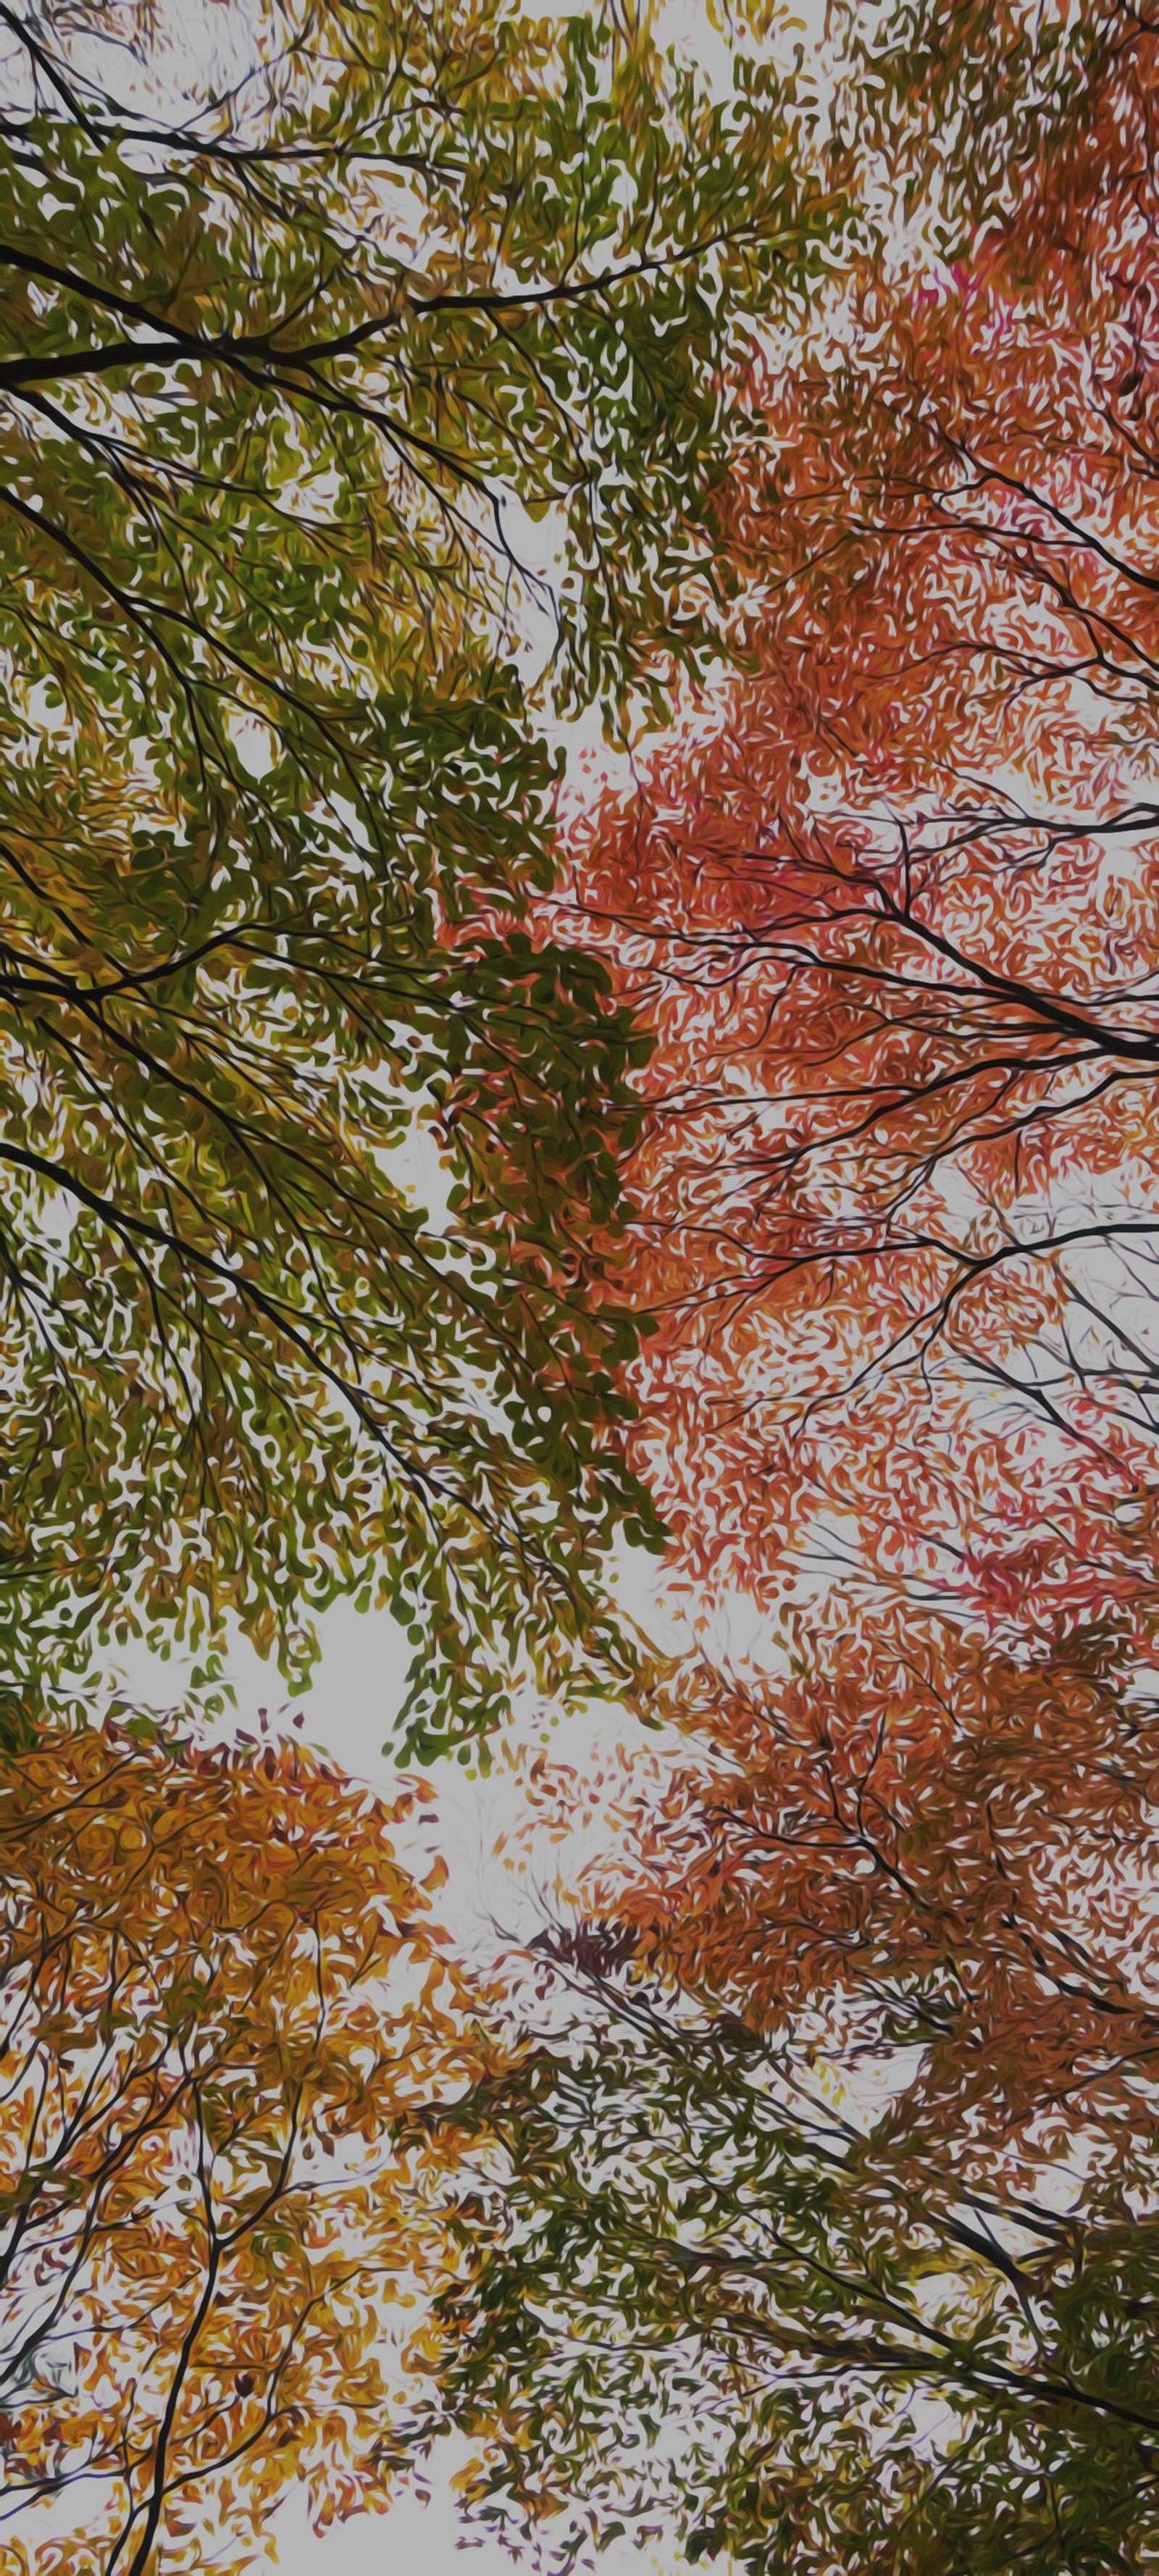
208, 1964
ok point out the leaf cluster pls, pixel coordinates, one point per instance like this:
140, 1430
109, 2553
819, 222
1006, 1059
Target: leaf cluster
829, 2226
888, 901
217, 1989
272, 816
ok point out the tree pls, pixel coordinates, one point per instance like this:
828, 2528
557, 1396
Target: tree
889, 902
270, 357
218, 1988
828, 2228
949, 116
828, 2225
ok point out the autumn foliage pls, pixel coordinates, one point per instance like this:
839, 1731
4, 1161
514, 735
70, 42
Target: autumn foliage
798, 2202
275, 354
908, 1835
827, 2220
218, 1989
889, 899
823, 2226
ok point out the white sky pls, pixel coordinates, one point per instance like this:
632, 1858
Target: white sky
418, 2540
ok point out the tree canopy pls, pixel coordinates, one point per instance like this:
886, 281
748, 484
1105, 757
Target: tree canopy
218, 1987
270, 359
747, 2270
822, 2223
823, 2230
792, 1117
888, 902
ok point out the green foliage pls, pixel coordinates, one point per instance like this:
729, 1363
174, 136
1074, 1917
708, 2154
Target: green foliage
271, 818
700, 2287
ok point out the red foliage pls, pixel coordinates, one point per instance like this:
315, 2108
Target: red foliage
892, 904
911, 1843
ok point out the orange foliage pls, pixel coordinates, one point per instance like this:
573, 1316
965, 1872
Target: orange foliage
892, 905
217, 1990
911, 1844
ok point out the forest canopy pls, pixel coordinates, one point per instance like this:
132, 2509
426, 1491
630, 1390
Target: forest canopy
274, 813
817, 2221
432, 1167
